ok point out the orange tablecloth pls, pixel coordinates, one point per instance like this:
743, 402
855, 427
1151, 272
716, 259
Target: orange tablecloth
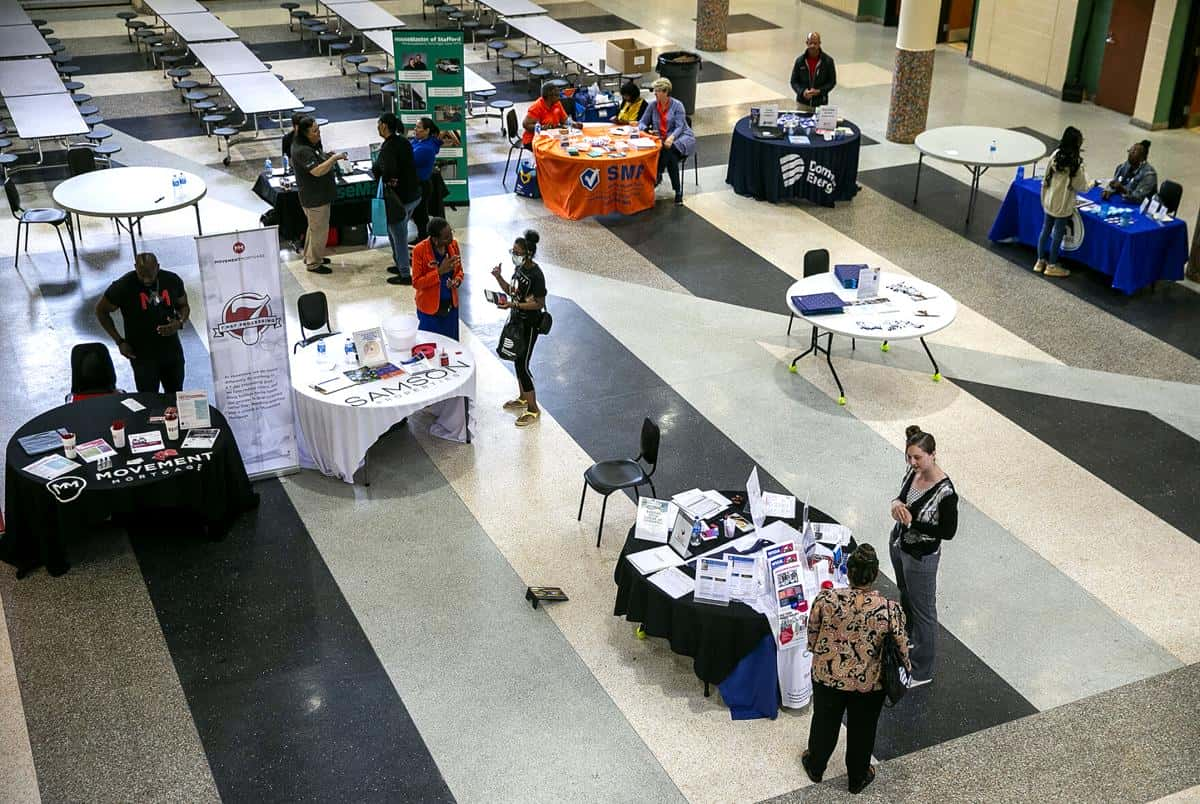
576, 187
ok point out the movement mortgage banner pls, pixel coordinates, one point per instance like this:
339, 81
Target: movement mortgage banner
429, 83
248, 346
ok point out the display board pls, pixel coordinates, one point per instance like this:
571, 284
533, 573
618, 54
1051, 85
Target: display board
429, 83
247, 343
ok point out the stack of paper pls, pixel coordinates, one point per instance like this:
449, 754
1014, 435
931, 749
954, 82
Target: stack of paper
702, 504
673, 582
650, 561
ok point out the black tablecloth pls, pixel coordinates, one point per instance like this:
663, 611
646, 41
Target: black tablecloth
716, 637
351, 208
209, 486
821, 172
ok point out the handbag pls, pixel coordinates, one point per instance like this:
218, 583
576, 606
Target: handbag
379, 217
893, 674
545, 323
512, 341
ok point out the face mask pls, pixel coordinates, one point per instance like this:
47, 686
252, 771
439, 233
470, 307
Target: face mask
518, 260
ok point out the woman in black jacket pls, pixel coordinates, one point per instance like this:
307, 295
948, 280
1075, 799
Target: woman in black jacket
401, 192
926, 514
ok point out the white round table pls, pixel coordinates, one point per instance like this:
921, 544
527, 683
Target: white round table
912, 308
336, 429
128, 194
971, 146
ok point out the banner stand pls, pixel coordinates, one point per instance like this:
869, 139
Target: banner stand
248, 346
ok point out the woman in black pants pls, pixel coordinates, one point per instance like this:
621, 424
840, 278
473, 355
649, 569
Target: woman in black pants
527, 301
926, 514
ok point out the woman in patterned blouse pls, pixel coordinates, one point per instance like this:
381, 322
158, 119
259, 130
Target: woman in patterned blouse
845, 635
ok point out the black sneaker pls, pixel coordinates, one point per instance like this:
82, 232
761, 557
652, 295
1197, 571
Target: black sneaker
679, 199
399, 280
326, 261
320, 269
391, 269
814, 777
855, 789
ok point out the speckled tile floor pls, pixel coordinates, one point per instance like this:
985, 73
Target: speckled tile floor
319, 651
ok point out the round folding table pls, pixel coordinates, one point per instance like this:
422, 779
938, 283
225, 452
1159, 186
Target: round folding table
128, 194
971, 147
906, 308
619, 179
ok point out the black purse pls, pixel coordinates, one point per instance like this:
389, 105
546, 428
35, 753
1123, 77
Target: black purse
512, 341
545, 323
893, 675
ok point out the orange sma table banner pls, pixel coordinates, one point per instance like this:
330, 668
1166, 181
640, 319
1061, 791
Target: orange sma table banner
579, 186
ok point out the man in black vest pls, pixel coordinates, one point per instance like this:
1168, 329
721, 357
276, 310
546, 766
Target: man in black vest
813, 75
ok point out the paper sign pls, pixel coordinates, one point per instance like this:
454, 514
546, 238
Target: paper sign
754, 498
654, 519
743, 577
193, 409
768, 114
712, 581
826, 118
868, 283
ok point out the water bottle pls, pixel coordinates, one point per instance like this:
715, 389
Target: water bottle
175, 185
287, 166
182, 180
321, 347
537, 130
696, 541
992, 149
267, 169
349, 350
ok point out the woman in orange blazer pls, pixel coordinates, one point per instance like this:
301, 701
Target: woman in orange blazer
436, 274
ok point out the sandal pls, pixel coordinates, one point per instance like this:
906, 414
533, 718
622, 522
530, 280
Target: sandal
527, 418
814, 777
515, 404
870, 778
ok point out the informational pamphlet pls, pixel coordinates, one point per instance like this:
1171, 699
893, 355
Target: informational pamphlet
868, 283
51, 467
201, 438
743, 576
150, 441
826, 118
781, 555
674, 582
133, 405
793, 629
193, 409
39, 443
92, 451
654, 519
712, 581
780, 506
789, 587
768, 114
650, 561
703, 504
831, 534
369, 345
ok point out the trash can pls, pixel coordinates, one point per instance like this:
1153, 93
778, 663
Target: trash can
682, 69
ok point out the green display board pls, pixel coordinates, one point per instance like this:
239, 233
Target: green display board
429, 83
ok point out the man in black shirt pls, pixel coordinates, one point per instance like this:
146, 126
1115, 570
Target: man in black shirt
813, 75
315, 180
154, 307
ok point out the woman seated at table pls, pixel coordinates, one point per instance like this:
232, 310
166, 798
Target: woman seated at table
426, 144
632, 104
666, 116
547, 111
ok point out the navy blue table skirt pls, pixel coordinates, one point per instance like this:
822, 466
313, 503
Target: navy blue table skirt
775, 170
1134, 256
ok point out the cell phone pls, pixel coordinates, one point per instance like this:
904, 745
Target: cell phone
494, 297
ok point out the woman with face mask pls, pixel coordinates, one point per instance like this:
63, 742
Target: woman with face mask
526, 301
926, 514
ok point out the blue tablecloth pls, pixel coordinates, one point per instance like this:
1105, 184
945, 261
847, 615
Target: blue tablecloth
1134, 256
776, 170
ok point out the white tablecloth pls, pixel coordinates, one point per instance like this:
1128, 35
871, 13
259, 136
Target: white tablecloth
334, 431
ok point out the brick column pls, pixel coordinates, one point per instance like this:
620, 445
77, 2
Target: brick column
712, 24
913, 75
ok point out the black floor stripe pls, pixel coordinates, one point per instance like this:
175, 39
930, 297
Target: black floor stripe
599, 22
746, 23
604, 415
1171, 492
1169, 313
701, 257
289, 698
711, 71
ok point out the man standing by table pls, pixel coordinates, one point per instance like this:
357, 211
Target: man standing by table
813, 75
1134, 179
154, 307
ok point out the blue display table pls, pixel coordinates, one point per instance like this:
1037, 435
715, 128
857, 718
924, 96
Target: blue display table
1134, 256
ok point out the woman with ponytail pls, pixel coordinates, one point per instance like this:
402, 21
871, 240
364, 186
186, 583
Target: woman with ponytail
926, 514
1064, 179
527, 303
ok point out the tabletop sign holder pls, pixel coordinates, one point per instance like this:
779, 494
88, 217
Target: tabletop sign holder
537, 594
826, 118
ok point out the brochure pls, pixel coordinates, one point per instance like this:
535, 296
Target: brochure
698, 503
743, 577
793, 629
39, 443
673, 582
780, 506
712, 581
150, 441
768, 114
369, 345
201, 438
133, 405
828, 533
868, 283
51, 467
654, 519
92, 451
495, 297
193, 409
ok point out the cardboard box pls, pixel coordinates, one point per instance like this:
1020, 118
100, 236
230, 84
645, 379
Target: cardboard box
629, 56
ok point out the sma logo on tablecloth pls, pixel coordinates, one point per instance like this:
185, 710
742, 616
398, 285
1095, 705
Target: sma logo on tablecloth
589, 178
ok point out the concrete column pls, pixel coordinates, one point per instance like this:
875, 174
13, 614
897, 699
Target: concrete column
913, 76
712, 24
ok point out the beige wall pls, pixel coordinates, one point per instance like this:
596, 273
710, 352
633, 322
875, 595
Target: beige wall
1029, 39
847, 8
1156, 56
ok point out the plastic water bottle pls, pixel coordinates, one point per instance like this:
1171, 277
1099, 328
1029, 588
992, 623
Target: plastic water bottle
537, 130
287, 165
182, 180
992, 149
321, 347
696, 541
267, 169
349, 350
175, 188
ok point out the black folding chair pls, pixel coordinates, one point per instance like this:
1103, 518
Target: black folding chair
606, 477
313, 310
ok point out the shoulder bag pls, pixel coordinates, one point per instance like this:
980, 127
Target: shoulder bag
512, 340
893, 675
545, 323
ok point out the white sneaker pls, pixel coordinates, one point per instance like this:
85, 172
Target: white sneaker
913, 683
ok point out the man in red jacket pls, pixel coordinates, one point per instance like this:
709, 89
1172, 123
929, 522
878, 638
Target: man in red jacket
437, 273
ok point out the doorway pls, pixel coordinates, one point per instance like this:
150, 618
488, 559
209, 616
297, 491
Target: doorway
1185, 103
1124, 51
954, 21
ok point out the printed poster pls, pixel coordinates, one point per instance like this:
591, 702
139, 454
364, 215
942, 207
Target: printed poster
429, 83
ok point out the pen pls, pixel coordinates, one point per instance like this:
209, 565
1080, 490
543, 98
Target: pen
160, 198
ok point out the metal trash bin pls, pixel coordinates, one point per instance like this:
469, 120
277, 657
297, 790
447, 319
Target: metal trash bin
682, 69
